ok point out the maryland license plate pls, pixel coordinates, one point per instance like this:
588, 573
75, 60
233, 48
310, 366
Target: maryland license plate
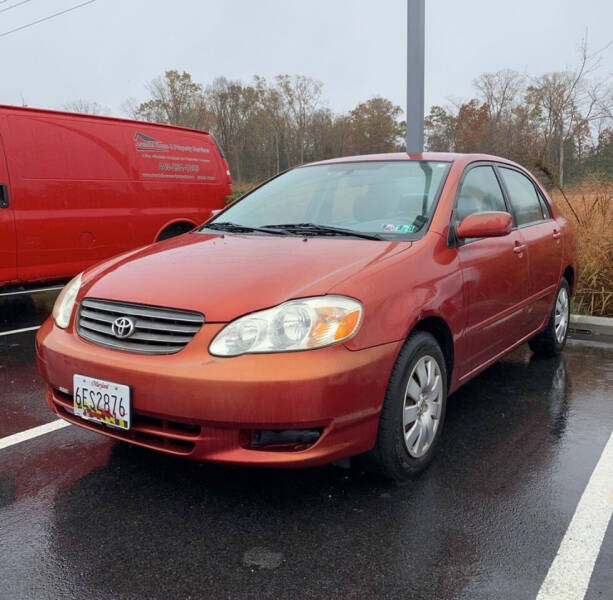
102, 401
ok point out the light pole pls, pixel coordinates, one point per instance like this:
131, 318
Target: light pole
416, 24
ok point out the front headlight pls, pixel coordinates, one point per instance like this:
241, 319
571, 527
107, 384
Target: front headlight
62, 309
295, 325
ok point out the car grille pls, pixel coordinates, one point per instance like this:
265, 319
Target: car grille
156, 330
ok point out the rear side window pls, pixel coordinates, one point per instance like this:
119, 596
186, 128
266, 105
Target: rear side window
524, 199
479, 192
544, 207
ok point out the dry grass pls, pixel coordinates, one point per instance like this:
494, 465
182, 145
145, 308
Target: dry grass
592, 201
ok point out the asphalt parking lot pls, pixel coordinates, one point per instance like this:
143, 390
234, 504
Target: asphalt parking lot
85, 517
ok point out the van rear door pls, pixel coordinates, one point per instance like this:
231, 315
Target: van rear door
8, 260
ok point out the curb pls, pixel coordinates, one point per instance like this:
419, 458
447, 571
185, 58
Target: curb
594, 329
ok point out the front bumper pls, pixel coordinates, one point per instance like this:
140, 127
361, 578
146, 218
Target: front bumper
206, 408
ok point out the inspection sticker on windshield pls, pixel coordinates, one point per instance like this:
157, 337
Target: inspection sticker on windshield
400, 228
101, 401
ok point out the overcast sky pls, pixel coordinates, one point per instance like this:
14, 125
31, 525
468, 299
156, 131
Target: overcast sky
107, 51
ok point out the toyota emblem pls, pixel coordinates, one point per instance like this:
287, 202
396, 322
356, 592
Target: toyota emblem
122, 327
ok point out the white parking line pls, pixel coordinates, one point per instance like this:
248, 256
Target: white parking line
19, 330
571, 570
28, 434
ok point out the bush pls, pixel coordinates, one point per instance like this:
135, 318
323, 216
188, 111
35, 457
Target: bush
238, 190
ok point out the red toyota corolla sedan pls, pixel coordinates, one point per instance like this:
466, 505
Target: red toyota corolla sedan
326, 314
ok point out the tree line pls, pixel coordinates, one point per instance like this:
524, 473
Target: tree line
558, 124
267, 126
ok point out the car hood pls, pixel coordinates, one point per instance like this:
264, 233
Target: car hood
230, 275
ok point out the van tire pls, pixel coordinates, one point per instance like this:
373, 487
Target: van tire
174, 230
390, 457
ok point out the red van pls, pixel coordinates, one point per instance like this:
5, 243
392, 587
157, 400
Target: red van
76, 189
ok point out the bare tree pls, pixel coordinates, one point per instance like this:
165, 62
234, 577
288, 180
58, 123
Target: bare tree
501, 91
232, 106
302, 97
567, 102
88, 107
274, 115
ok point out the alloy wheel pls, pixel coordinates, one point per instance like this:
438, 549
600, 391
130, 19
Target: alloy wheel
561, 315
422, 407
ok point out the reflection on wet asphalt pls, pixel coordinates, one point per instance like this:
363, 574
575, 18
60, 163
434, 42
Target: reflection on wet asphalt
20, 385
25, 310
85, 517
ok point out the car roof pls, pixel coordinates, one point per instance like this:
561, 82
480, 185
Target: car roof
399, 156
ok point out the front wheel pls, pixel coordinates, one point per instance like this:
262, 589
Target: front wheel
413, 411
553, 338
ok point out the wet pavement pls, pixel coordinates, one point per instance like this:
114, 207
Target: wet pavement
85, 517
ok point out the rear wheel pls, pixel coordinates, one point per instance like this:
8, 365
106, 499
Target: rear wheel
553, 338
413, 411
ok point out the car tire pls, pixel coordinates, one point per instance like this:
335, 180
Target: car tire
397, 454
551, 341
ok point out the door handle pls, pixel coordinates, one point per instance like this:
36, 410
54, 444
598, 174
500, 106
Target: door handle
556, 234
519, 248
4, 196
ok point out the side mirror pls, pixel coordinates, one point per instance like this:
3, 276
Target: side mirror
485, 224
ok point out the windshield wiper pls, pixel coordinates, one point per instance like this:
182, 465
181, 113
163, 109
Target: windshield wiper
314, 229
236, 228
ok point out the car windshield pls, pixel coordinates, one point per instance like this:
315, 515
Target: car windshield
388, 199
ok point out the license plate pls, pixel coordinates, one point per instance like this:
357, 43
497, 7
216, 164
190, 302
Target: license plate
102, 401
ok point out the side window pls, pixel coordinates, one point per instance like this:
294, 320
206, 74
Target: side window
479, 192
544, 207
523, 196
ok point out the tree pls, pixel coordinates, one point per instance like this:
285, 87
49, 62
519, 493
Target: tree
86, 107
501, 92
231, 105
567, 101
473, 127
175, 99
274, 117
302, 96
374, 127
440, 130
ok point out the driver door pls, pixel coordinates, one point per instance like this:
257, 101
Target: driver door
495, 273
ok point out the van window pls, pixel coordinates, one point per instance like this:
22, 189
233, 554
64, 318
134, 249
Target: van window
523, 196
